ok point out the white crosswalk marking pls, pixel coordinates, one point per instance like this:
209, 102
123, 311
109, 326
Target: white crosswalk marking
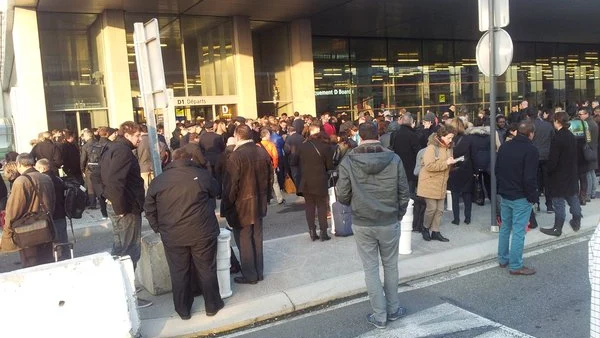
444, 319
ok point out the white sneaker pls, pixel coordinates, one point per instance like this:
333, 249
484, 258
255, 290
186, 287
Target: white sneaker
143, 303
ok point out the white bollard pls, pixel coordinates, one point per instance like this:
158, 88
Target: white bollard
224, 263
448, 200
406, 230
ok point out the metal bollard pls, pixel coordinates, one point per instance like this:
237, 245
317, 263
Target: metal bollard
224, 263
406, 230
448, 200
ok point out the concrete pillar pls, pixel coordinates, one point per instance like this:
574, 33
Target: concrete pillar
116, 68
28, 101
244, 67
302, 70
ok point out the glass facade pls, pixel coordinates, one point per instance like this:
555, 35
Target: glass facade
197, 59
353, 74
73, 74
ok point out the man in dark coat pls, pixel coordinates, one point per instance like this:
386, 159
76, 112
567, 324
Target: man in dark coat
583, 166
70, 156
406, 144
25, 198
124, 188
49, 150
188, 231
315, 159
593, 165
84, 161
58, 214
248, 183
193, 148
298, 123
542, 140
517, 184
211, 144
562, 172
291, 147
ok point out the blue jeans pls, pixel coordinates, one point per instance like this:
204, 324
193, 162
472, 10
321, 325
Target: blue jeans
515, 216
373, 241
592, 184
558, 203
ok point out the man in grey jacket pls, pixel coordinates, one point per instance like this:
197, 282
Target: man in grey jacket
373, 182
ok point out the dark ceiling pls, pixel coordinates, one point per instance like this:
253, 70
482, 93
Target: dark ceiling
531, 20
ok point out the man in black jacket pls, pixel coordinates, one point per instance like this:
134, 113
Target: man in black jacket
211, 144
247, 185
70, 157
189, 232
562, 174
84, 161
406, 144
516, 168
49, 150
124, 188
290, 147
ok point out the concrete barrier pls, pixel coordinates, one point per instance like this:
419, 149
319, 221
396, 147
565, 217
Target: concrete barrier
90, 296
153, 272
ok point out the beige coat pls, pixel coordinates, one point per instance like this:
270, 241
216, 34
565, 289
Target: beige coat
22, 199
433, 177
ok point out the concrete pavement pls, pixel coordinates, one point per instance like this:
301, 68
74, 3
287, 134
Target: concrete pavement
300, 274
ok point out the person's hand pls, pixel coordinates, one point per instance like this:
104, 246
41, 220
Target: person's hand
450, 161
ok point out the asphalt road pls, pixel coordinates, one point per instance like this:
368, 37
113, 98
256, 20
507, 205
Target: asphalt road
487, 303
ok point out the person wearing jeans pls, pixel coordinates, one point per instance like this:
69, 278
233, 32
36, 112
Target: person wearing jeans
516, 168
372, 180
562, 169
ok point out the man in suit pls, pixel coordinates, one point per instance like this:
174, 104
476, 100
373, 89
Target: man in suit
315, 159
23, 199
248, 183
212, 145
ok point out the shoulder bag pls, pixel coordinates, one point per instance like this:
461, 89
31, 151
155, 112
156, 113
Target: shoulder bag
588, 153
34, 228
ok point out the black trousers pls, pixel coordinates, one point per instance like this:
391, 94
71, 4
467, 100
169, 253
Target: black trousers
468, 201
249, 240
320, 203
544, 182
193, 267
583, 184
419, 213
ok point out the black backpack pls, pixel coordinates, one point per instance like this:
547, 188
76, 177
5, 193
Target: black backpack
75, 199
96, 151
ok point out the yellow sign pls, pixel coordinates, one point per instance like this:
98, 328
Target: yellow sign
442, 98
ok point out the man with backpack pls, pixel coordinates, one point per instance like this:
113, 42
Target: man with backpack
91, 154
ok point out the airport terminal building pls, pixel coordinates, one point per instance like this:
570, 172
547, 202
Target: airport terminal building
71, 63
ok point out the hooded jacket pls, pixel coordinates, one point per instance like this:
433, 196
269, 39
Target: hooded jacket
373, 182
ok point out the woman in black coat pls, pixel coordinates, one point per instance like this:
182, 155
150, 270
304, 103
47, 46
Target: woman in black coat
460, 181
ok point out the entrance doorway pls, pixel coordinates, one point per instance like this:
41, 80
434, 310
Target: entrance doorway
77, 120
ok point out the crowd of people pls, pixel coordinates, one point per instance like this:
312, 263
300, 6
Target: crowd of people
377, 162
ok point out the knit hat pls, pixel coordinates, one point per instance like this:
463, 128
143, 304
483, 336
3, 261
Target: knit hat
430, 117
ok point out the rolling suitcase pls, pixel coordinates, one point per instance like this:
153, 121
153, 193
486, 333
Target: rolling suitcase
342, 218
61, 247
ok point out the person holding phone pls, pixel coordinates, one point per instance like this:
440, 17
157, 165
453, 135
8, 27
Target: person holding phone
460, 181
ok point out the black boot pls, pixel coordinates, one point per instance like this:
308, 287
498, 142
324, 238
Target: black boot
436, 235
575, 223
426, 235
324, 236
313, 235
554, 231
455, 221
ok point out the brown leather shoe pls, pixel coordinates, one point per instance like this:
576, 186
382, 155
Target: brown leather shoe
524, 271
503, 265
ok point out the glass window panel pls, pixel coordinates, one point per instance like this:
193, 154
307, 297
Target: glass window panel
71, 48
405, 53
436, 51
208, 55
170, 40
330, 49
333, 88
374, 50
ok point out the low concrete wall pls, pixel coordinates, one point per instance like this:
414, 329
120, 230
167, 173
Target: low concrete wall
91, 296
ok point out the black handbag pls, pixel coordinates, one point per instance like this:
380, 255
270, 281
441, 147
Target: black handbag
478, 192
34, 228
588, 153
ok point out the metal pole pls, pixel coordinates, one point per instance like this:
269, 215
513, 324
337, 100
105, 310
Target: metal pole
494, 225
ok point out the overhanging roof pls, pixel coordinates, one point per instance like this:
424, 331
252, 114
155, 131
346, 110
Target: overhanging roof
531, 20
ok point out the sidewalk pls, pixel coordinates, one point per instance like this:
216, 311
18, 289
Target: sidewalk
300, 273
